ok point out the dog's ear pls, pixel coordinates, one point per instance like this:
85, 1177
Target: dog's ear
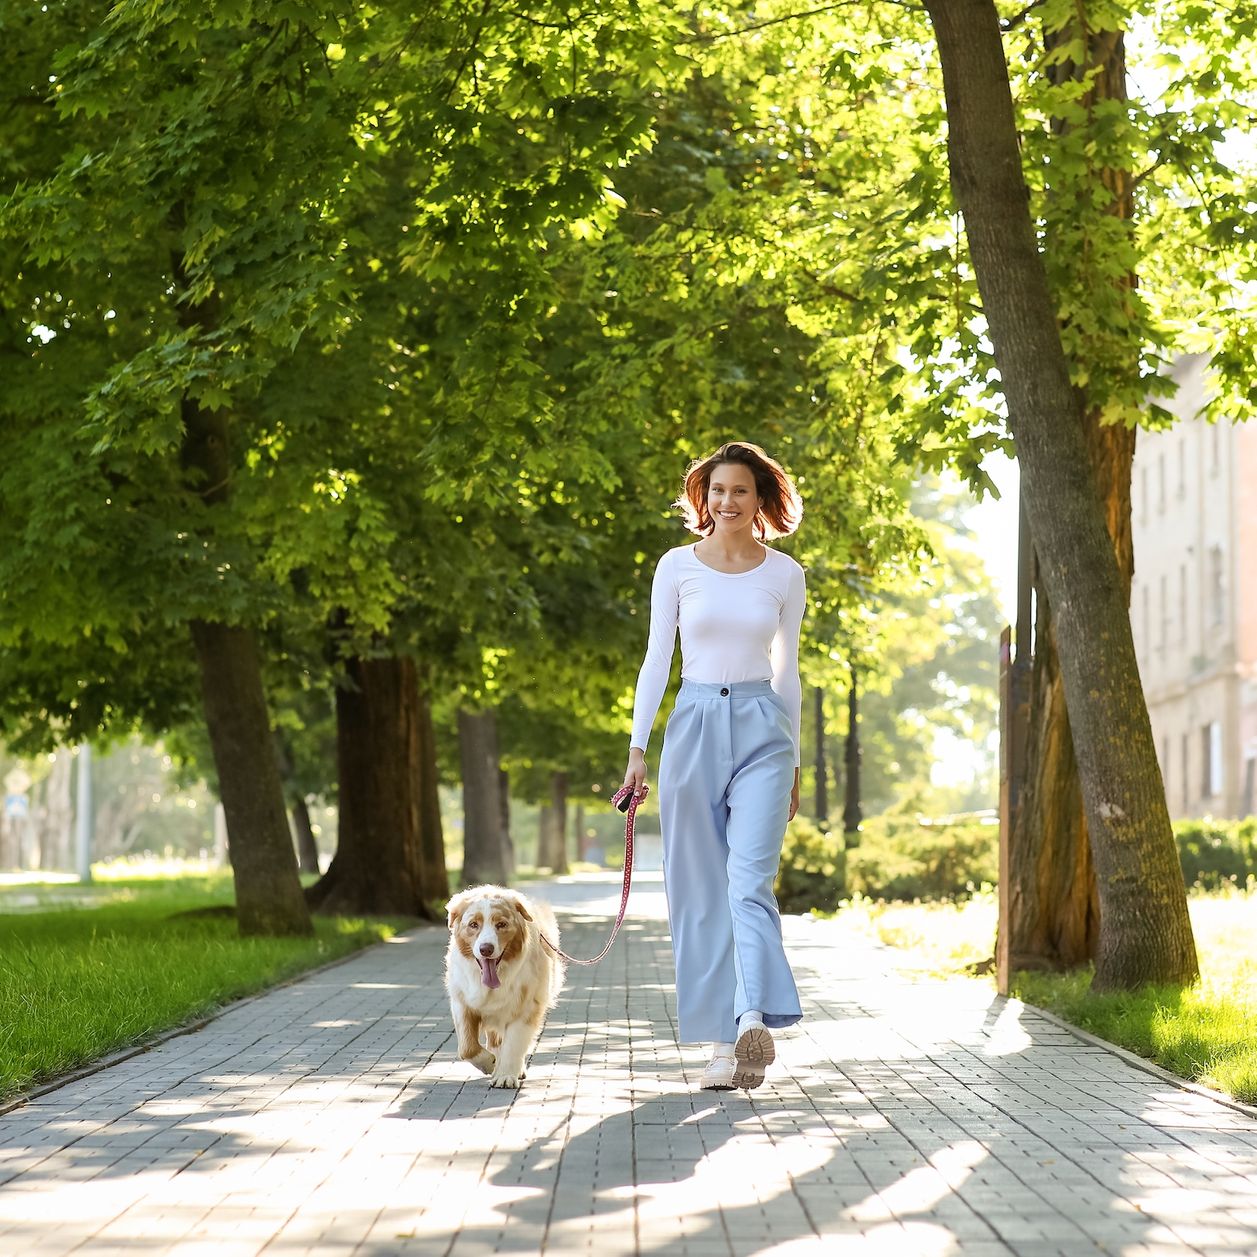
521, 907
456, 907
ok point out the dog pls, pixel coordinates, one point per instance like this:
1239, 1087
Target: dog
501, 978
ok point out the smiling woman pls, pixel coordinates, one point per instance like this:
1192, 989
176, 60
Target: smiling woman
729, 769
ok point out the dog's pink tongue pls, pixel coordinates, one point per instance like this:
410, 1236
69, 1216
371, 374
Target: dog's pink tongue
489, 972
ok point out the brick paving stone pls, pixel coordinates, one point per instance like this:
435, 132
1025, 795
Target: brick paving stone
908, 1118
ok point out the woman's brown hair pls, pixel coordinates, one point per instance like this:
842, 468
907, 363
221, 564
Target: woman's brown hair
780, 507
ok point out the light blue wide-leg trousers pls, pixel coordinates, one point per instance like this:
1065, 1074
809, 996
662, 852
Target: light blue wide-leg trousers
725, 776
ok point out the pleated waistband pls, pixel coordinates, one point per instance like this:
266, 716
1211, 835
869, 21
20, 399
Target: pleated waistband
727, 689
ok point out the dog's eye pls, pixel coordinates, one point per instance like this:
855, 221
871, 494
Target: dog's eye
499, 925
474, 923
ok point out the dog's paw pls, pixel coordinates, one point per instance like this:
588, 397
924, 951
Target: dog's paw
485, 1062
506, 1081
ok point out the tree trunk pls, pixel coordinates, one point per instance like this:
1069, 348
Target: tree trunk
545, 838
54, 842
484, 841
821, 811
578, 832
504, 803
556, 856
269, 899
263, 864
1145, 933
431, 832
381, 866
307, 848
1054, 906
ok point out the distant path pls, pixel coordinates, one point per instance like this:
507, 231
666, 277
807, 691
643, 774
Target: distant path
911, 1119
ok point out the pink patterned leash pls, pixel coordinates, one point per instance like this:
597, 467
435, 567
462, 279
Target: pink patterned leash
626, 800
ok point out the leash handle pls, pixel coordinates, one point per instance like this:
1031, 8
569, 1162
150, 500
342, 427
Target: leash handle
618, 797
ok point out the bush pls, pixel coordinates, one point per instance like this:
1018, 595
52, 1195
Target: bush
1216, 853
898, 857
812, 873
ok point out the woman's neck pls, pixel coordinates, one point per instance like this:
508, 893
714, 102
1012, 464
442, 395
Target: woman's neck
729, 549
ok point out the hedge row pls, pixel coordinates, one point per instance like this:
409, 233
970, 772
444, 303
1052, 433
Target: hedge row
899, 857
1213, 853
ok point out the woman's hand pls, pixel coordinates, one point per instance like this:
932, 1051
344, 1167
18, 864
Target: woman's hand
635, 774
794, 797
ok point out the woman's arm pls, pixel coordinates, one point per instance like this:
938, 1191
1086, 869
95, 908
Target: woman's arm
784, 654
652, 679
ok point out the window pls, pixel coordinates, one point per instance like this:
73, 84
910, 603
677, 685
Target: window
1214, 442
1182, 604
1216, 597
1187, 794
1163, 635
1161, 482
1182, 468
1143, 495
1211, 760
1250, 786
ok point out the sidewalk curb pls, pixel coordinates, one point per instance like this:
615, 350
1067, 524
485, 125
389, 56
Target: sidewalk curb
147, 1045
1136, 1061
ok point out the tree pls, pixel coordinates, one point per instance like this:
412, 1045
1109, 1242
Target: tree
1145, 934
929, 666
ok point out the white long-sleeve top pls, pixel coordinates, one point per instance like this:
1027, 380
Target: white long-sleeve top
735, 626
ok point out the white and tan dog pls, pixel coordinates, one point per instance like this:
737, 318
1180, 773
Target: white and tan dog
501, 978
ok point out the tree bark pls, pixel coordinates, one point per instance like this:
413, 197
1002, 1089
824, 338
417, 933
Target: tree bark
1054, 907
504, 803
485, 853
269, 899
578, 832
54, 842
552, 835
821, 810
268, 892
431, 831
545, 838
382, 866
1145, 933
307, 848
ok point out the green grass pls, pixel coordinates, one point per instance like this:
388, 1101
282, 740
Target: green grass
1206, 1033
121, 963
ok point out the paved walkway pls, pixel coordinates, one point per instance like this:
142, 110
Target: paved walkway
331, 1117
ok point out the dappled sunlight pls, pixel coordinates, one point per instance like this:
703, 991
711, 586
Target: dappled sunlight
900, 1117
1007, 1035
922, 1188
906, 1239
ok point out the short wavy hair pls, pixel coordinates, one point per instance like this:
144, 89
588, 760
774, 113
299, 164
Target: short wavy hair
780, 510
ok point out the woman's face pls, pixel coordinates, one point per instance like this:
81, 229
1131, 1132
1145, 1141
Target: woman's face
731, 498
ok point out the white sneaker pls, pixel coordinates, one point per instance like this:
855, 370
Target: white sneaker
753, 1052
718, 1076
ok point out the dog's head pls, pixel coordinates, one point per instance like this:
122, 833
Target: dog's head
490, 926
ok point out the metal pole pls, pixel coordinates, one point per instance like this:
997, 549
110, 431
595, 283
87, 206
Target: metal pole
851, 814
85, 816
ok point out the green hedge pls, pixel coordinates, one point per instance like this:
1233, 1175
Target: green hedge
1216, 853
813, 869
898, 857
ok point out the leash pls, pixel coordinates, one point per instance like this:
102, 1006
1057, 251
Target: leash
626, 800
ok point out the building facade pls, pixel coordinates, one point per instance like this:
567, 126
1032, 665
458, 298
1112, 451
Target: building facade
1194, 601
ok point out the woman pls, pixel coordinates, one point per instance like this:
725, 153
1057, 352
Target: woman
729, 770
